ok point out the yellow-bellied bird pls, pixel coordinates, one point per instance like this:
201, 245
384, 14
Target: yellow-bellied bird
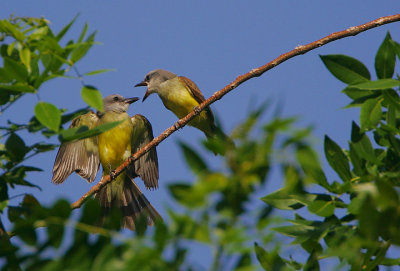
111, 148
180, 95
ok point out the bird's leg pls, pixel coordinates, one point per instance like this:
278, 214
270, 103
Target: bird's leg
112, 173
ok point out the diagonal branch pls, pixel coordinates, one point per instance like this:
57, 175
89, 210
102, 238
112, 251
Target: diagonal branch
299, 50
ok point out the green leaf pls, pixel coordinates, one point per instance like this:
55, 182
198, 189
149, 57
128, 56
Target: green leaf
15, 69
310, 164
20, 87
370, 114
98, 71
347, 69
361, 145
269, 261
25, 56
63, 31
48, 115
337, 159
194, 161
385, 59
356, 93
92, 97
82, 49
83, 131
286, 200
16, 147
322, 208
378, 84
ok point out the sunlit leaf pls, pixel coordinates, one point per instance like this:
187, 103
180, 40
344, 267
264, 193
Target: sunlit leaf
370, 114
347, 69
270, 261
337, 159
48, 115
378, 84
385, 59
92, 97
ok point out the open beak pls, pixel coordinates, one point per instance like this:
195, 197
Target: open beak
146, 95
141, 84
131, 100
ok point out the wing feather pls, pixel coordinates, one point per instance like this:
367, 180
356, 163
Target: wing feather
197, 95
79, 156
146, 167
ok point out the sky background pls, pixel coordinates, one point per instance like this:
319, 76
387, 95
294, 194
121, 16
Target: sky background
211, 42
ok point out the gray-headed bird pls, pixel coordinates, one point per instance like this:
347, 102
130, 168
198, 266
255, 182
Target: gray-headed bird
111, 148
180, 95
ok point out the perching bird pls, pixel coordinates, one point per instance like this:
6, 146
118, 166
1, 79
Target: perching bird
180, 95
111, 148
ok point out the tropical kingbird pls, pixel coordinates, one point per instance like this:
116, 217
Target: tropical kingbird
111, 148
180, 95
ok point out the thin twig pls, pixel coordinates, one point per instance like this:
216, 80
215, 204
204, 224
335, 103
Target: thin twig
299, 50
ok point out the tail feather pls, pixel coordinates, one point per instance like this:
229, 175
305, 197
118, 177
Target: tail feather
132, 203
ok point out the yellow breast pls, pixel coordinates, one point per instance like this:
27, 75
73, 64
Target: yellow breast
115, 144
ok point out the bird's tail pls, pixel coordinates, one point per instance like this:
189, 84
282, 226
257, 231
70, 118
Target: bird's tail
133, 204
217, 133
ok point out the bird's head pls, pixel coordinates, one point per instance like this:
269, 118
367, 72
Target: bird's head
117, 103
153, 80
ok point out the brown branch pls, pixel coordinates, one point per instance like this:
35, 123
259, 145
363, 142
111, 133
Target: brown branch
299, 50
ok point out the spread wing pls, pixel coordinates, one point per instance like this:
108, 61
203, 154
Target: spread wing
197, 95
79, 156
146, 167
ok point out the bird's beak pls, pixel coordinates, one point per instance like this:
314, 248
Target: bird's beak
131, 100
141, 84
146, 95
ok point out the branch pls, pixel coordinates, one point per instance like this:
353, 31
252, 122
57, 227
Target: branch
299, 50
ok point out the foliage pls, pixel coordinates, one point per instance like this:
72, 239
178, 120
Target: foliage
353, 219
358, 214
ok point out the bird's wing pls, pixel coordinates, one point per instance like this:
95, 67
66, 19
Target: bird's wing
79, 156
146, 167
197, 95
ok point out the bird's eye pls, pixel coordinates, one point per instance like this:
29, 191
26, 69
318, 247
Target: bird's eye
116, 98
147, 78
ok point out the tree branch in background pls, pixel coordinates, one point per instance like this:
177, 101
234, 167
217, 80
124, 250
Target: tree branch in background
301, 49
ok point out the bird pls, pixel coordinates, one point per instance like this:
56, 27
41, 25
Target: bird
110, 149
180, 95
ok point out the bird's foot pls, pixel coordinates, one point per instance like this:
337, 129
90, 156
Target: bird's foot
112, 174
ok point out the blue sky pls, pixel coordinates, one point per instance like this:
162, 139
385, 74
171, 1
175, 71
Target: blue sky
211, 42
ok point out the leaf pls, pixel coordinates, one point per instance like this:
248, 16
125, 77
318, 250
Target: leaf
16, 147
82, 49
20, 87
337, 159
370, 114
322, 208
83, 131
15, 69
310, 164
63, 31
385, 59
25, 56
378, 84
269, 261
347, 69
285, 200
194, 161
92, 97
48, 115
98, 71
